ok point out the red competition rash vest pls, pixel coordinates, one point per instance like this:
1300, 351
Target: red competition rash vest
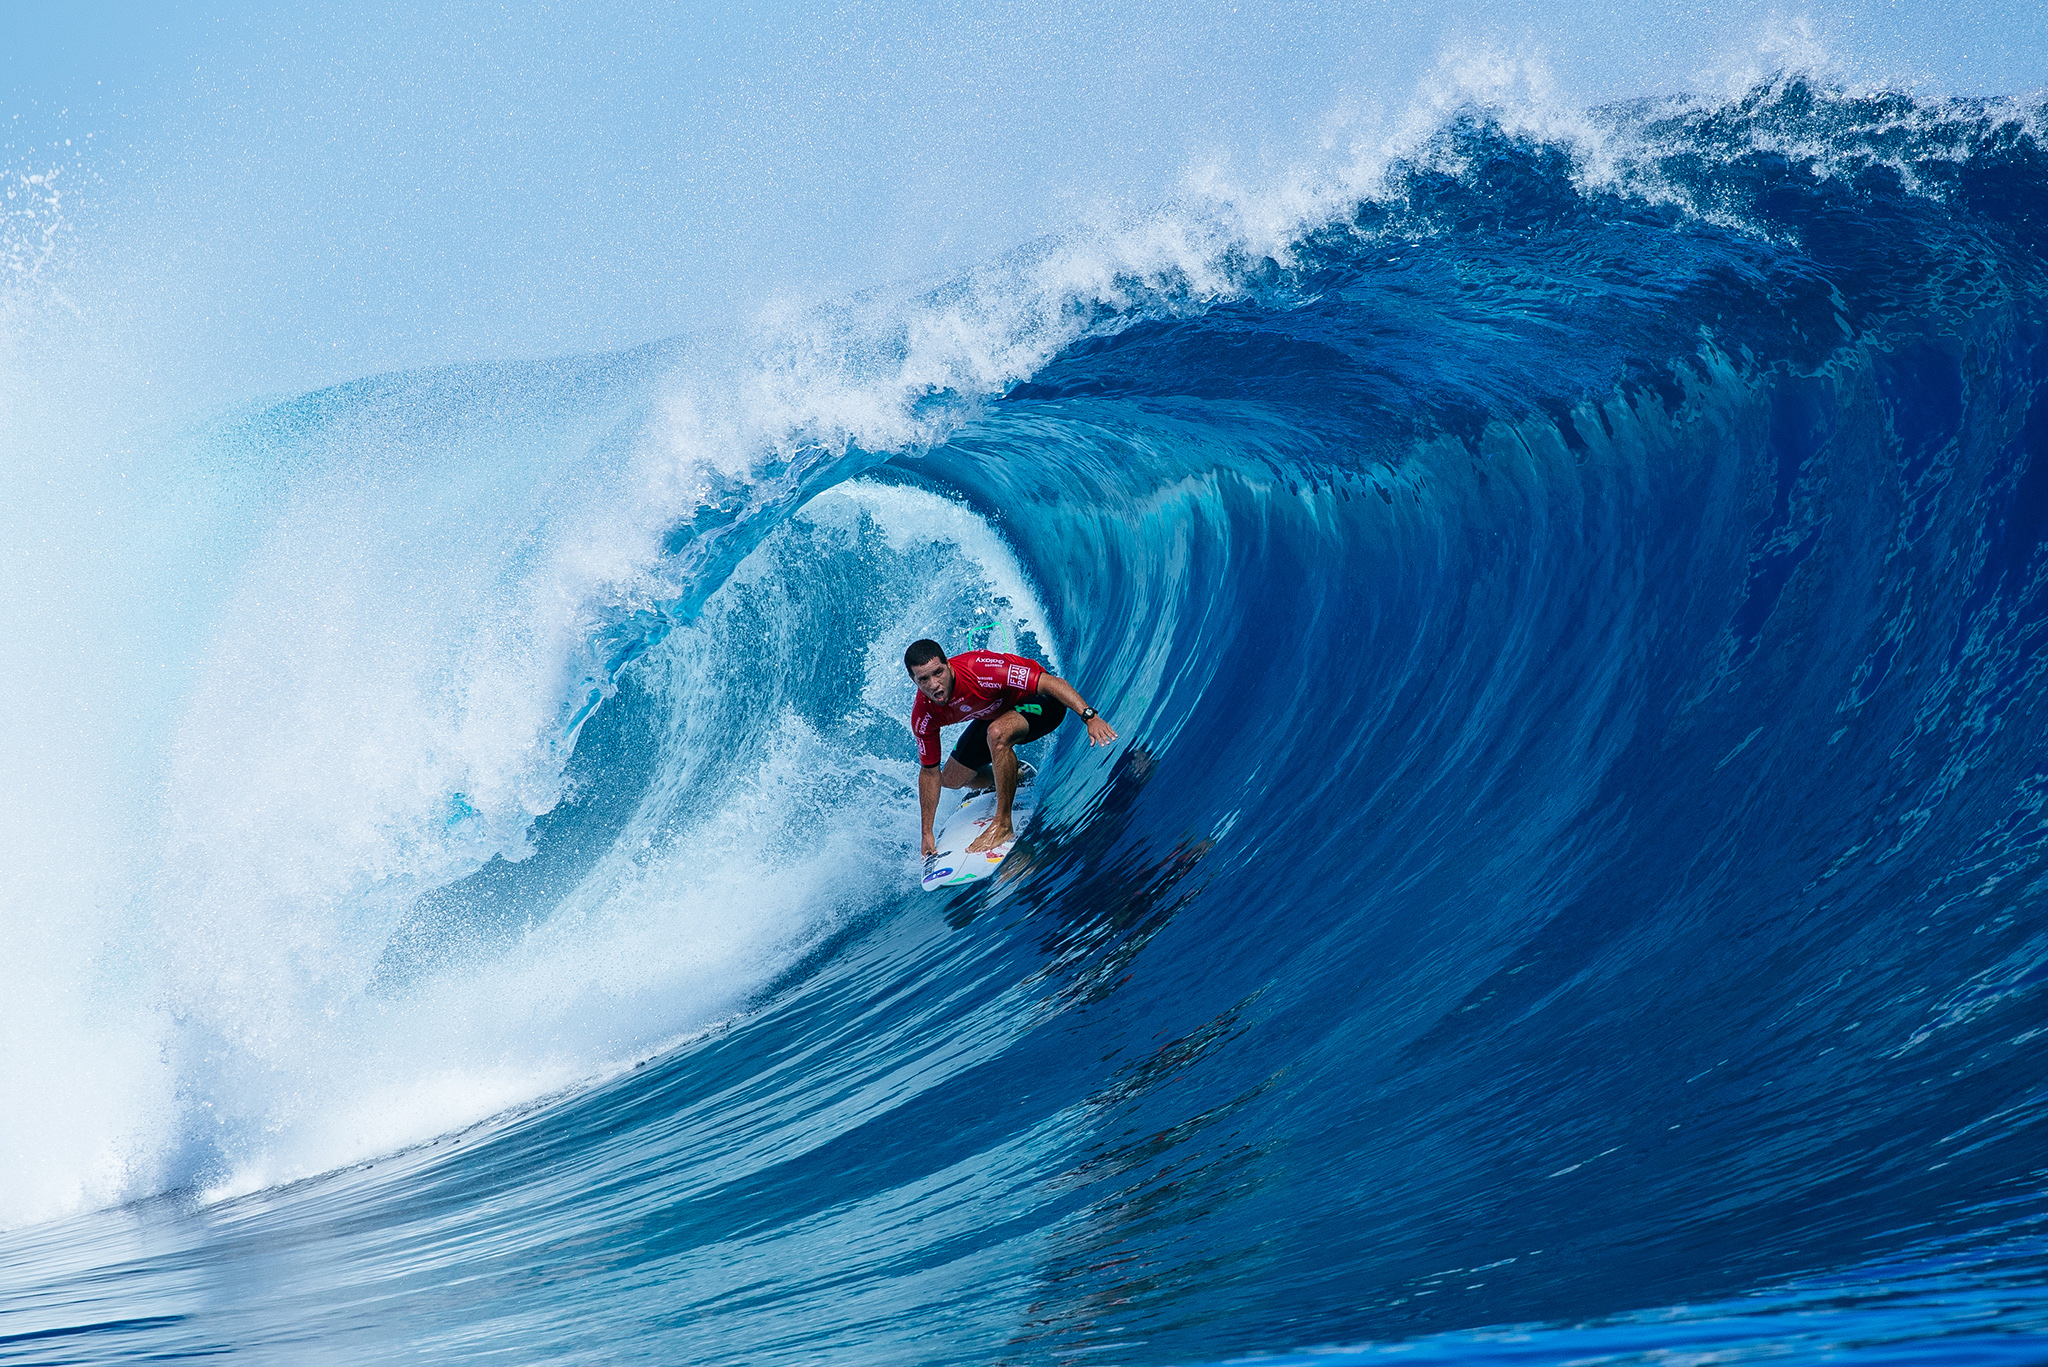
984, 683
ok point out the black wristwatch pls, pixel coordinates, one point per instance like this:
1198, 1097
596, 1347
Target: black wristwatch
1087, 714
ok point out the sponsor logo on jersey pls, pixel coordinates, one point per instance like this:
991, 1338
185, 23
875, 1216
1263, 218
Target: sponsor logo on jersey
1020, 676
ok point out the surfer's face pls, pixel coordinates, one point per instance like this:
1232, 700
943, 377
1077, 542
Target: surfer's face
934, 679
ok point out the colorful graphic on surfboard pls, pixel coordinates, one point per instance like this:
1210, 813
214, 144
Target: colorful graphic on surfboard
953, 866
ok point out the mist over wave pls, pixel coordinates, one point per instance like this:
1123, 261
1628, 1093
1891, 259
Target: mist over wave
1572, 588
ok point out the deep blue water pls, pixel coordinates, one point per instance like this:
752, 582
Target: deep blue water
1572, 887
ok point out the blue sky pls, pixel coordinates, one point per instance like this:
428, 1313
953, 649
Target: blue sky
267, 197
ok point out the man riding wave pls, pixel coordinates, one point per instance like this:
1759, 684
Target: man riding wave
1011, 701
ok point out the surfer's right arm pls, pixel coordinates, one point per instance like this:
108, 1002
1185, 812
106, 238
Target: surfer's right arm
928, 805
924, 727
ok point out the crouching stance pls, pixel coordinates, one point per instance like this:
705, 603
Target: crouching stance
1010, 700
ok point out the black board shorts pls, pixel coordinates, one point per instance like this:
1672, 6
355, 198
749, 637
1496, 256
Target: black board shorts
1041, 712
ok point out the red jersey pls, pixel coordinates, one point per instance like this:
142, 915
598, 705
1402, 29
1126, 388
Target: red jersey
984, 683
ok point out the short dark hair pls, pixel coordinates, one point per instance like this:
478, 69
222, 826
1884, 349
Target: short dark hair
922, 653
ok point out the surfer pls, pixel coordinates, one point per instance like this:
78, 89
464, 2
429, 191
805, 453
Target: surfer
1011, 701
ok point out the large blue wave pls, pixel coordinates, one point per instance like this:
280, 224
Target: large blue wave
1578, 619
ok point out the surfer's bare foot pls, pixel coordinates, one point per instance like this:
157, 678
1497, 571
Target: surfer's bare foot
996, 834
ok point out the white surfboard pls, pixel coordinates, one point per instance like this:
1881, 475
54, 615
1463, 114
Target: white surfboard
953, 866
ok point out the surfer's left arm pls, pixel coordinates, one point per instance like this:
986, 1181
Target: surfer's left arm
1059, 690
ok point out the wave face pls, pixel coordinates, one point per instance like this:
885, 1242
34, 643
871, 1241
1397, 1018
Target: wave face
1578, 618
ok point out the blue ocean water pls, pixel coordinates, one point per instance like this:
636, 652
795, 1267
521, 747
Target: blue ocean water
1571, 887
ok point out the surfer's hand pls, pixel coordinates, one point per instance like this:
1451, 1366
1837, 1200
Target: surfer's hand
1100, 732
931, 844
